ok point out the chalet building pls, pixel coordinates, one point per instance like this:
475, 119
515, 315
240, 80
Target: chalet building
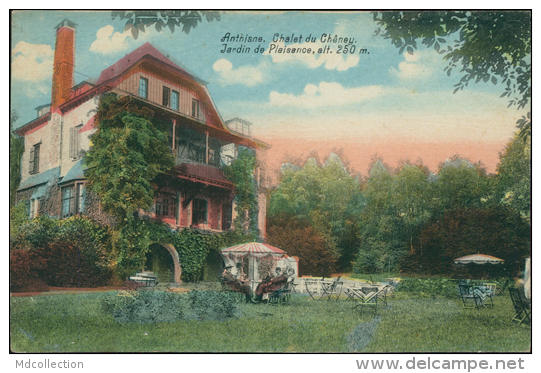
195, 194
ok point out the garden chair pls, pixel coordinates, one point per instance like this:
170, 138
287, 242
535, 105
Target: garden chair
521, 312
504, 287
366, 297
282, 295
468, 295
313, 288
333, 289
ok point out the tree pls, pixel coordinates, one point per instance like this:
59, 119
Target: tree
488, 45
513, 180
137, 21
461, 184
16, 149
411, 198
319, 195
129, 149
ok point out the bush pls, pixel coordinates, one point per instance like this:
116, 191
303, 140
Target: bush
434, 287
23, 268
70, 252
214, 305
157, 306
145, 307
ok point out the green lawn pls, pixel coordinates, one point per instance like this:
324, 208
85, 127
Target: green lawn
76, 323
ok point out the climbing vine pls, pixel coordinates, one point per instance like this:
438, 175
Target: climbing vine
241, 174
128, 151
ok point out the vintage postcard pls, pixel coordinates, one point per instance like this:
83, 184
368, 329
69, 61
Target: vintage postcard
285, 182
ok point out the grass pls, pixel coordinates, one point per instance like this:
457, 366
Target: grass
76, 323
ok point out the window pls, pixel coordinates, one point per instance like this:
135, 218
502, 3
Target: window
73, 200
195, 108
166, 205
143, 87
165, 96
199, 211
75, 141
227, 217
174, 100
34, 159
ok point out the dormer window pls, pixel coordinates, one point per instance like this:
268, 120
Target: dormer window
143, 87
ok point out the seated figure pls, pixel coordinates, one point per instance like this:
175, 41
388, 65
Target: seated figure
270, 284
239, 284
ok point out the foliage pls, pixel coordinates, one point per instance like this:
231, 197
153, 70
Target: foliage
241, 174
23, 271
129, 149
69, 252
491, 46
326, 198
461, 184
18, 215
146, 307
16, 149
138, 20
213, 305
493, 231
514, 176
298, 238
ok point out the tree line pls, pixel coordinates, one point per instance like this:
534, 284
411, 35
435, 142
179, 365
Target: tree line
407, 219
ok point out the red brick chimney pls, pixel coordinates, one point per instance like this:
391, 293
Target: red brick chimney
64, 62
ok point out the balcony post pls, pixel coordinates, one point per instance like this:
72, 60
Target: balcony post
174, 134
207, 148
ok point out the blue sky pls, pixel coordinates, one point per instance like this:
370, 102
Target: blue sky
379, 96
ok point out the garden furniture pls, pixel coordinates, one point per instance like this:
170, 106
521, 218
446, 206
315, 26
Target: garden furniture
332, 288
469, 294
283, 294
504, 287
313, 287
521, 311
366, 297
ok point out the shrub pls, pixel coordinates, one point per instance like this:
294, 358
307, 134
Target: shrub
214, 305
23, 268
145, 307
157, 306
70, 252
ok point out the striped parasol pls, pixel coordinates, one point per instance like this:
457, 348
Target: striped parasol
253, 249
478, 259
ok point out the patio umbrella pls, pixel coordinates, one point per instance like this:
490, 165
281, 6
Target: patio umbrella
479, 259
253, 249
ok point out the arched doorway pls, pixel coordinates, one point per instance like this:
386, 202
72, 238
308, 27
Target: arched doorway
162, 259
213, 267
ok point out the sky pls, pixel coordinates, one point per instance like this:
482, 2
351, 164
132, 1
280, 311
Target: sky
372, 102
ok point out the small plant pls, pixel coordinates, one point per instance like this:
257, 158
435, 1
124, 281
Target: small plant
435, 287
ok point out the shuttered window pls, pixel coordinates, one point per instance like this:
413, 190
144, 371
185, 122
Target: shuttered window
195, 108
34, 159
165, 96
75, 141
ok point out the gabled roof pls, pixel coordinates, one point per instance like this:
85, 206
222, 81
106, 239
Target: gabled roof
132, 58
